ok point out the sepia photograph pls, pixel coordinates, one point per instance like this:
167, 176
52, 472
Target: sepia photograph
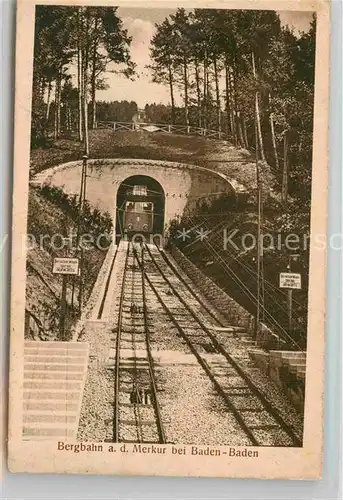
168, 245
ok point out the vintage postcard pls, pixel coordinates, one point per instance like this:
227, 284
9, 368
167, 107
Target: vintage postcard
169, 222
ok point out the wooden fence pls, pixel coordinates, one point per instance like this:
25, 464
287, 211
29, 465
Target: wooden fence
162, 127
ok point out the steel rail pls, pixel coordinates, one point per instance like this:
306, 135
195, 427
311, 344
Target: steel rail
159, 421
184, 282
137, 412
117, 363
266, 404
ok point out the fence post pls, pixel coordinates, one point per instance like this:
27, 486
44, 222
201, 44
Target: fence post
114, 126
169, 129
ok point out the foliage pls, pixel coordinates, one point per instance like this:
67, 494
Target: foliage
121, 111
93, 40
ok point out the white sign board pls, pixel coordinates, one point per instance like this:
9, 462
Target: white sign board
290, 280
65, 265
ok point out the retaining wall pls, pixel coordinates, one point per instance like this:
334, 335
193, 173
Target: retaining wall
287, 369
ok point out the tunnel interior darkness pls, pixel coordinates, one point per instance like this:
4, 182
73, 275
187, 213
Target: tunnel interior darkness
155, 193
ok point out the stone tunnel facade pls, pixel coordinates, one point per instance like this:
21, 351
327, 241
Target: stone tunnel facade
184, 185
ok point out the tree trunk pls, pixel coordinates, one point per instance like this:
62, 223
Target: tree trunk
93, 76
85, 113
57, 128
271, 119
79, 75
93, 101
204, 114
59, 104
171, 89
232, 115
277, 166
85, 89
216, 77
257, 111
197, 81
70, 123
227, 99
55, 117
240, 130
185, 76
245, 134
48, 102
284, 190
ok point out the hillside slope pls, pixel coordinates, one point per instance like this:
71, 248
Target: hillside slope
46, 222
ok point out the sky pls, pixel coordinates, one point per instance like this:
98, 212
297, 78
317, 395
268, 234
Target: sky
140, 25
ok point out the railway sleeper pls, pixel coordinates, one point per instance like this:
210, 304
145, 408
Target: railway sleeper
265, 427
130, 368
133, 329
251, 410
135, 340
237, 394
134, 441
130, 405
151, 423
141, 362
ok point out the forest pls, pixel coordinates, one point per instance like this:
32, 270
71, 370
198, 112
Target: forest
81, 41
238, 71
268, 75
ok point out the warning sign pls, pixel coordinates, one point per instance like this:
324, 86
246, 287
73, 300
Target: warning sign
65, 265
290, 280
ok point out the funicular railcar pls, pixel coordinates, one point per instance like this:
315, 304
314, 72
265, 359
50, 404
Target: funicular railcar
138, 216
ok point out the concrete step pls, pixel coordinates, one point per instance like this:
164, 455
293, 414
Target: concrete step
54, 377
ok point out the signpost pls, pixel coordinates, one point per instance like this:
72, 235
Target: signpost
291, 281
65, 266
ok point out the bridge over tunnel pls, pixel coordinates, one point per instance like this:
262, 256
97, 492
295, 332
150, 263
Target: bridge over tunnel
181, 188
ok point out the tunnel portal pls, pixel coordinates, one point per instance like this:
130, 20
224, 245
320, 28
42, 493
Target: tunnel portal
140, 207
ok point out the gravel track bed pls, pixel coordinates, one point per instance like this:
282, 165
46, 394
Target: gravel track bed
192, 412
146, 433
97, 403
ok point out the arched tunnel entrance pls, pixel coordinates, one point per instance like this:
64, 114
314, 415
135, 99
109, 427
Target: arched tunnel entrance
140, 207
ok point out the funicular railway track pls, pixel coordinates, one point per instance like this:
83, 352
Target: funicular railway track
257, 417
137, 415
